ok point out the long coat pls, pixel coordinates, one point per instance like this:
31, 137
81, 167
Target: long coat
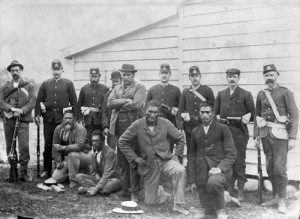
214, 149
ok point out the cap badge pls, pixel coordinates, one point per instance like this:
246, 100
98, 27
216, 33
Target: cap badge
195, 71
269, 67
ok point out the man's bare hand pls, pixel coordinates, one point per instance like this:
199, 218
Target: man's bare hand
214, 171
291, 144
194, 189
106, 131
58, 147
140, 161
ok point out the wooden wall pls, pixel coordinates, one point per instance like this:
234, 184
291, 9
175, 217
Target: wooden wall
218, 35
215, 35
146, 49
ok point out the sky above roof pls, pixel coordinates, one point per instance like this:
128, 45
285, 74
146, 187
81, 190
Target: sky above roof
33, 32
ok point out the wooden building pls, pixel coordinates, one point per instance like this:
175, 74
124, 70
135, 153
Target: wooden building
213, 34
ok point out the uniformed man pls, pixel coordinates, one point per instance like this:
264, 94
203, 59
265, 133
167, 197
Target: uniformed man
116, 79
126, 101
276, 123
190, 100
166, 94
90, 101
17, 100
54, 95
234, 106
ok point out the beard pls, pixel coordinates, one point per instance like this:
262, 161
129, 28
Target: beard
68, 126
16, 77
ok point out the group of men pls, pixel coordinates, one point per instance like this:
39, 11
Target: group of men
143, 128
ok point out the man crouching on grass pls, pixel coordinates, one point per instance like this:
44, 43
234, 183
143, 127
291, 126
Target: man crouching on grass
103, 179
211, 156
155, 157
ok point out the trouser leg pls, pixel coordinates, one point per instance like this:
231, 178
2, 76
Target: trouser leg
215, 186
206, 199
23, 143
188, 143
124, 170
176, 172
240, 164
77, 162
86, 180
48, 137
112, 185
8, 125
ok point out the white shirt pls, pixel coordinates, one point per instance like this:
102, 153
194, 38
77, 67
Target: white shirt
206, 128
98, 157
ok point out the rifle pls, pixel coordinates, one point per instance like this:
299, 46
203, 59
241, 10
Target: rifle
13, 156
38, 152
259, 171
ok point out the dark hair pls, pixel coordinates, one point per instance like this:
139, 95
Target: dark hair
207, 104
97, 132
153, 103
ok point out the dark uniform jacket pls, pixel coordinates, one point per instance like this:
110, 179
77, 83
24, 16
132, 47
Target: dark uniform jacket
23, 98
189, 103
151, 143
106, 168
91, 96
117, 102
214, 149
106, 112
56, 95
286, 106
168, 95
235, 105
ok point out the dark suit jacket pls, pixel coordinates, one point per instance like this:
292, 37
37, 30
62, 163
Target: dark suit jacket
214, 149
235, 105
24, 99
106, 168
91, 96
106, 112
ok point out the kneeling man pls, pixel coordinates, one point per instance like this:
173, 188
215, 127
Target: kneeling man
103, 179
211, 156
155, 156
70, 150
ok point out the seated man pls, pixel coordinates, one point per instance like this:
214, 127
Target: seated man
151, 133
212, 153
70, 151
103, 179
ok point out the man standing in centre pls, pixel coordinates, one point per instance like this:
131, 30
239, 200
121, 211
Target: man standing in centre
126, 101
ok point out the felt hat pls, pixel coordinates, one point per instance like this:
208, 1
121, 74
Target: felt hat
13, 64
128, 68
270, 67
115, 75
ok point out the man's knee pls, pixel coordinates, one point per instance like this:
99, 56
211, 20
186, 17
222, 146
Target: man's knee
73, 156
215, 184
79, 177
180, 171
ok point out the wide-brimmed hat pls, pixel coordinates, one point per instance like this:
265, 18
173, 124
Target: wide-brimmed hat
268, 68
128, 207
233, 71
13, 64
128, 68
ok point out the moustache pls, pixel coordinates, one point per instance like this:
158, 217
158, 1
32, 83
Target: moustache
269, 81
231, 81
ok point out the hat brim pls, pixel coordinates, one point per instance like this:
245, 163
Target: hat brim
130, 71
13, 65
270, 70
121, 211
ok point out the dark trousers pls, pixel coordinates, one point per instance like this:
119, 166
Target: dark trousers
188, 143
276, 159
129, 175
23, 140
49, 128
211, 195
239, 166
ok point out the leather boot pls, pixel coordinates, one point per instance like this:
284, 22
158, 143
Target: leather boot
272, 202
24, 177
